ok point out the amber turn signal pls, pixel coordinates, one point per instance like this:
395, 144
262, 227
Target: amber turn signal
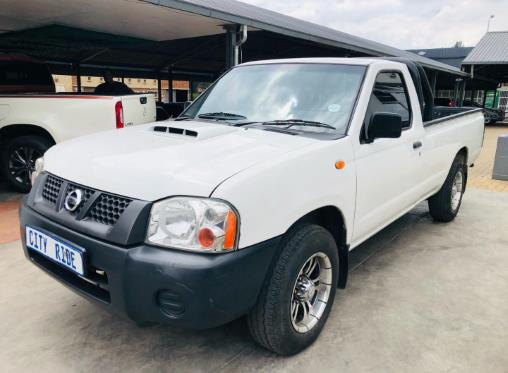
230, 234
339, 165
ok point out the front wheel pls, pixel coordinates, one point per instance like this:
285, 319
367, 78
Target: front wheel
297, 297
18, 158
445, 204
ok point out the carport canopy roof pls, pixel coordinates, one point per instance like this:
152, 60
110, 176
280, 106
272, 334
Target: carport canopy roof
491, 50
159, 34
489, 59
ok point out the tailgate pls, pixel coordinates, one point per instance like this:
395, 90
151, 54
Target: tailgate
138, 109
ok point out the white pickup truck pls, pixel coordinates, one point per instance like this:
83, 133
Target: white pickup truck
35, 120
250, 201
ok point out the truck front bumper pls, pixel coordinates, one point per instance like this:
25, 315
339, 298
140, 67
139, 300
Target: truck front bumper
156, 285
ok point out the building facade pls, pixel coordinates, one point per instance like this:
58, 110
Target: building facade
181, 88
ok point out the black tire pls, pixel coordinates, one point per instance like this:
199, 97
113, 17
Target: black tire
28, 148
270, 321
441, 206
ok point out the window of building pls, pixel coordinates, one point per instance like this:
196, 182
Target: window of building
445, 94
390, 95
478, 97
503, 100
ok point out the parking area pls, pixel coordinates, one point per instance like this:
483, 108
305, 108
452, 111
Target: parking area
422, 297
480, 176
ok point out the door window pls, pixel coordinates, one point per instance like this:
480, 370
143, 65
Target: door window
390, 95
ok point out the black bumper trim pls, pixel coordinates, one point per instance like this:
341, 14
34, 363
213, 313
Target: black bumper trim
156, 285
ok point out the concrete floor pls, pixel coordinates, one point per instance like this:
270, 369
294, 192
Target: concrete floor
422, 297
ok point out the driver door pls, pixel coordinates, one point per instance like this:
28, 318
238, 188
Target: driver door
386, 175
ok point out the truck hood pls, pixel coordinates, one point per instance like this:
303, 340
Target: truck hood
158, 160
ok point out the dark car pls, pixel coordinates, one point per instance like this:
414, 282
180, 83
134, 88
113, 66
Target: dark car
491, 115
169, 110
22, 74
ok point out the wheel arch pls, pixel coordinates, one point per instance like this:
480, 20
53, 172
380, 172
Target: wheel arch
464, 152
332, 219
16, 130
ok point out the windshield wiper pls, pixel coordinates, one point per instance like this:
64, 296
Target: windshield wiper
179, 119
297, 122
221, 116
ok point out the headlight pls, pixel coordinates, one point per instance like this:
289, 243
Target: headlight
39, 167
197, 224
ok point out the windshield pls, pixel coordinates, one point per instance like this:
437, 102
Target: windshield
301, 98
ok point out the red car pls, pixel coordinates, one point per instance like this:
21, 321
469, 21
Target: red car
22, 74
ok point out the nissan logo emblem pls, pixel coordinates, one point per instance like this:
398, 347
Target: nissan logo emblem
73, 200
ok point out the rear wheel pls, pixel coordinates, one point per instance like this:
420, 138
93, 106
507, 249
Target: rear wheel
297, 297
18, 158
445, 204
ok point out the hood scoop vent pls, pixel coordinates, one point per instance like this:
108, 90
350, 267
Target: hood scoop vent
175, 131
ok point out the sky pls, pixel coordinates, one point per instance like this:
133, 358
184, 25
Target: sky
405, 24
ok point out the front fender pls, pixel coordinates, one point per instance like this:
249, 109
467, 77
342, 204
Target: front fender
272, 196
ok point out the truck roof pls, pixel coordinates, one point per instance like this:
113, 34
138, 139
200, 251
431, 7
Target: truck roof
362, 61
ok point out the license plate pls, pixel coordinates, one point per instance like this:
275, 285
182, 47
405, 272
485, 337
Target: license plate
55, 249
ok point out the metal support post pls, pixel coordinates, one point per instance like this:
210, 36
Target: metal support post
170, 85
236, 36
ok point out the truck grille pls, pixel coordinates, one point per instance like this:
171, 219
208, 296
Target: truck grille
108, 209
104, 209
52, 189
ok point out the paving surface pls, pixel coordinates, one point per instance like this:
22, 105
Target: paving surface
422, 297
9, 223
480, 176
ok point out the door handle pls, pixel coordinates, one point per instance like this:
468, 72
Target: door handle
417, 145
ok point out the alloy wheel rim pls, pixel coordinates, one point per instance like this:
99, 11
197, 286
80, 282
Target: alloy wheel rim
311, 292
457, 190
22, 163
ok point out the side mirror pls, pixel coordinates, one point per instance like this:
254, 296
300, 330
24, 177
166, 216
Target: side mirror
384, 125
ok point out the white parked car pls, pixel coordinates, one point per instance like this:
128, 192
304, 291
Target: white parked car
251, 200
33, 121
